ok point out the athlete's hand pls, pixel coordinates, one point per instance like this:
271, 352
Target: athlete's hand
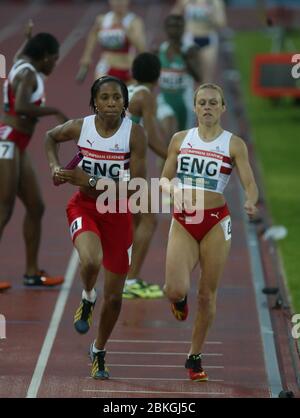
178, 198
77, 177
54, 172
250, 209
28, 29
82, 72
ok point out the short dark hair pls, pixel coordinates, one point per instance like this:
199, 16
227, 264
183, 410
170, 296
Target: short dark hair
109, 79
40, 45
146, 68
172, 17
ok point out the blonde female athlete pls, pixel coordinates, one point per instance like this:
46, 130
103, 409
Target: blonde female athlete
202, 159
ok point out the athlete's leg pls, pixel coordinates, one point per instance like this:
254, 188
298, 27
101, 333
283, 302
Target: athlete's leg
30, 194
214, 250
166, 117
208, 59
182, 256
111, 306
89, 249
143, 232
9, 174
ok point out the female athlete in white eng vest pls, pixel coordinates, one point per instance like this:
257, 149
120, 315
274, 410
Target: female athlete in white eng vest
202, 159
110, 143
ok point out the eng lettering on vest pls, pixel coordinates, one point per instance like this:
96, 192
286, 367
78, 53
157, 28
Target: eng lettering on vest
104, 164
195, 164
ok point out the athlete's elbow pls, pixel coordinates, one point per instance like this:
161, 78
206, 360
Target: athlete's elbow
22, 110
49, 137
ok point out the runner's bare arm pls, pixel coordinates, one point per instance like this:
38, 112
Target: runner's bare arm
138, 150
90, 45
28, 34
25, 87
239, 153
155, 139
69, 131
179, 7
169, 170
136, 35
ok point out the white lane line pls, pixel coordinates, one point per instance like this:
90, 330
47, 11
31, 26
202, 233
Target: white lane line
154, 392
36, 380
161, 342
140, 353
161, 366
19, 20
79, 31
155, 379
53, 327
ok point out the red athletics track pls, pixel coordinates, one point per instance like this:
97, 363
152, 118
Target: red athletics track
148, 347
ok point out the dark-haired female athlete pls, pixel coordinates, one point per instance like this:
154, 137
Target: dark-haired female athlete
110, 143
23, 106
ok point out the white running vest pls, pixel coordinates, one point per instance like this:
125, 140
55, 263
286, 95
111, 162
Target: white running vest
37, 97
105, 157
112, 36
204, 165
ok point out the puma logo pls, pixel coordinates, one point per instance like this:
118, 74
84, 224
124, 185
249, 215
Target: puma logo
216, 215
91, 143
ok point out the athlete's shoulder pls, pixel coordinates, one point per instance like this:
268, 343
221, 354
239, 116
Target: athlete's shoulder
136, 129
236, 141
179, 136
237, 145
178, 139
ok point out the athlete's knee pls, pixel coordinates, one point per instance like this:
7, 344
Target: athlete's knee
173, 293
90, 264
206, 300
150, 220
36, 210
6, 211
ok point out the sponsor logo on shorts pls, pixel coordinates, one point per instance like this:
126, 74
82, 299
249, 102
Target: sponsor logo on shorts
216, 215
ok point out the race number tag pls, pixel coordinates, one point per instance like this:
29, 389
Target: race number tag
75, 226
226, 225
7, 150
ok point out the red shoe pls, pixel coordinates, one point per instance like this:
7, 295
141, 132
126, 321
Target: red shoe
195, 370
180, 309
4, 286
42, 279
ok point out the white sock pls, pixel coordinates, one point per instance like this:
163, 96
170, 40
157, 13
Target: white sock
89, 295
130, 281
95, 350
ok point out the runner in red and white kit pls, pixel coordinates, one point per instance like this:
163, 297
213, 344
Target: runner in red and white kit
23, 106
111, 145
121, 35
202, 159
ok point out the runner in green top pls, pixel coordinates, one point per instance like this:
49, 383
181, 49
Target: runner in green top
180, 68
